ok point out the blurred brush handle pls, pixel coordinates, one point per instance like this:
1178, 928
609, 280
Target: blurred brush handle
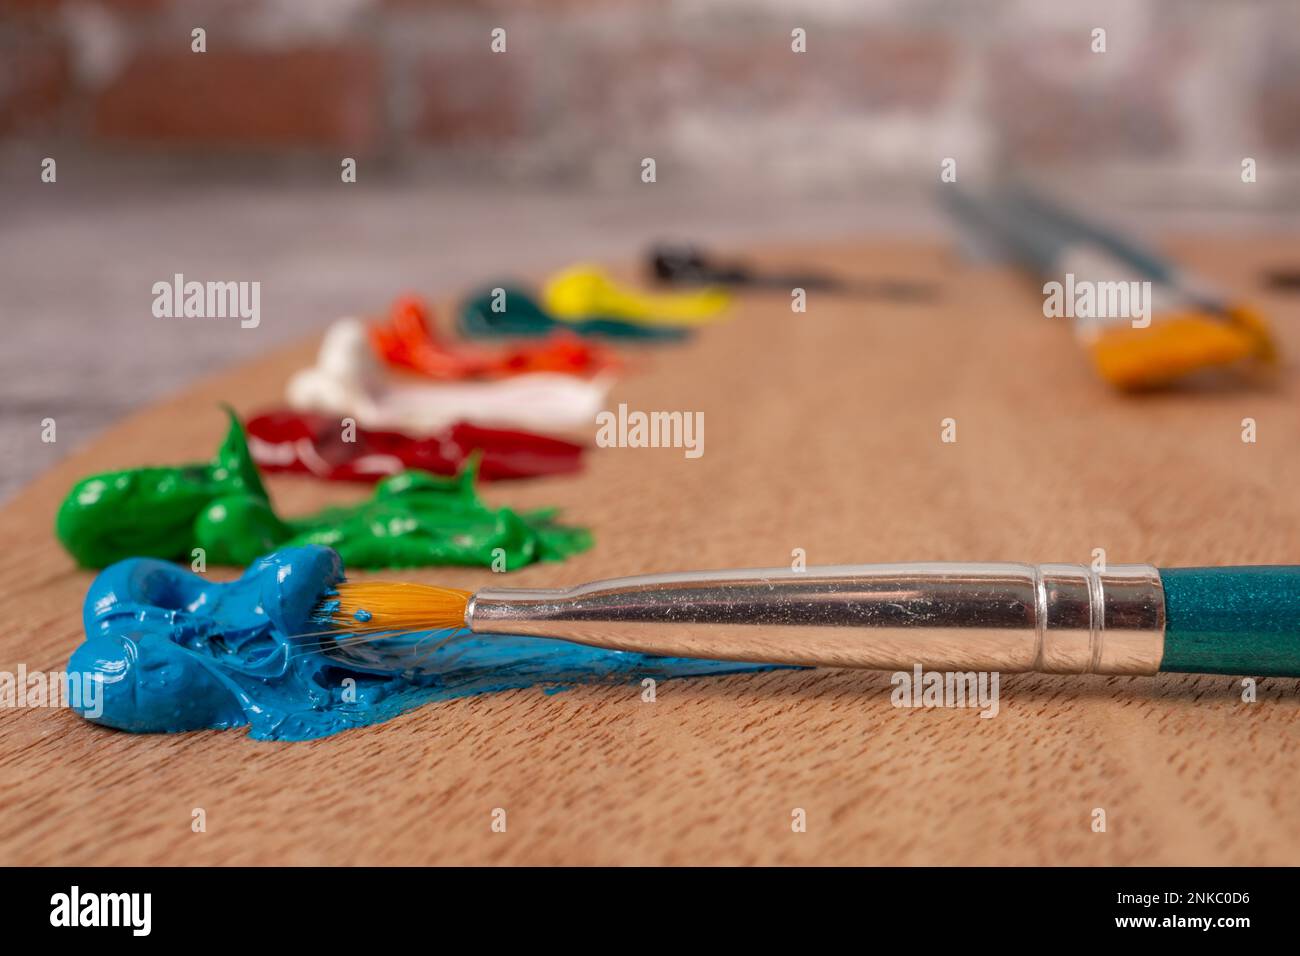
1057, 618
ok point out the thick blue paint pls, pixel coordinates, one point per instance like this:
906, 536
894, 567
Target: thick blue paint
178, 652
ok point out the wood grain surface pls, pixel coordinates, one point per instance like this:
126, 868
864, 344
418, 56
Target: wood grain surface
822, 433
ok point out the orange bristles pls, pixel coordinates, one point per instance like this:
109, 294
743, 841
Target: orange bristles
383, 606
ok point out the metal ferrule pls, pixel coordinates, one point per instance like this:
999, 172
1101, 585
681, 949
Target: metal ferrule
1058, 618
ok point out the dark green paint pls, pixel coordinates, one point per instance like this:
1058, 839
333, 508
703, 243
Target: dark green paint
523, 317
412, 519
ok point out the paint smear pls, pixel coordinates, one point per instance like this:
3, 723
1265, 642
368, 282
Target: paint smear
580, 291
348, 381
412, 519
176, 652
407, 340
316, 445
507, 310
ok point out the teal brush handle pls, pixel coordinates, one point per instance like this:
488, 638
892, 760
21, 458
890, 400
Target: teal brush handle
1242, 620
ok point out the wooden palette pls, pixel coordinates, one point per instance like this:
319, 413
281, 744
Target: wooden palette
822, 433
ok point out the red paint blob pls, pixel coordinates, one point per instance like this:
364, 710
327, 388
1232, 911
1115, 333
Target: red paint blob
287, 441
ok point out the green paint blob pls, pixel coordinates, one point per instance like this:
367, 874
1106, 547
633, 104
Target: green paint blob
521, 316
412, 519
415, 518
152, 512
1243, 620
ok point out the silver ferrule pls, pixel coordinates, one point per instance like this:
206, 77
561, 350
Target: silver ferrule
1057, 618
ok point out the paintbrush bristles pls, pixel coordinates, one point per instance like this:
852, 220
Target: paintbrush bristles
395, 606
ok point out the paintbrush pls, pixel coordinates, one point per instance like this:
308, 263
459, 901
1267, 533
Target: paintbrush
1054, 618
1194, 329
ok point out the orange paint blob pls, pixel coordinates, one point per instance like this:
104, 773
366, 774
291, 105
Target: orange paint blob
407, 340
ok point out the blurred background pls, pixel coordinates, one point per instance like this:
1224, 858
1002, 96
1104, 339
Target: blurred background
474, 165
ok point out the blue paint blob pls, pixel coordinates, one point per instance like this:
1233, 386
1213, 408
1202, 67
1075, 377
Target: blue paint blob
362, 615
178, 652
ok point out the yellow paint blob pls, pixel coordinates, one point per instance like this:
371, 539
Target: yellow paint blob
584, 292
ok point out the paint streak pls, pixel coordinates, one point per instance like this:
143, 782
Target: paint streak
411, 520
407, 340
482, 316
348, 381
580, 291
307, 444
178, 652
688, 265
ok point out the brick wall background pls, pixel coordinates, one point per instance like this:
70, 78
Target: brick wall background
710, 89
474, 165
